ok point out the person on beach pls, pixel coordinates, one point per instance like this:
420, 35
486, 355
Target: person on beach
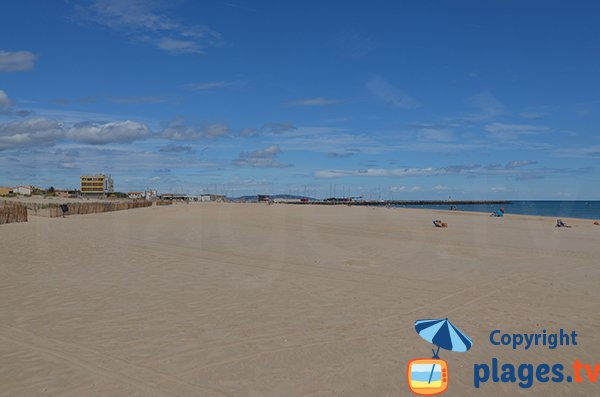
560, 223
439, 223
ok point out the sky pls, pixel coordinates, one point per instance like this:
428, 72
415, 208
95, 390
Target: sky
388, 99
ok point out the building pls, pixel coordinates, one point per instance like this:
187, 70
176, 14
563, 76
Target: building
287, 200
150, 195
218, 197
193, 198
24, 190
66, 193
5, 191
212, 197
263, 198
96, 184
135, 195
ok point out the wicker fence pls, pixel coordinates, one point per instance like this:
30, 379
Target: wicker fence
11, 212
56, 210
164, 202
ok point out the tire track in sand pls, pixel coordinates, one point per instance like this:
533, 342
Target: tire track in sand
96, 362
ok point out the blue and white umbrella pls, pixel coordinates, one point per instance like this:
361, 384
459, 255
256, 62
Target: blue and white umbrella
444, 334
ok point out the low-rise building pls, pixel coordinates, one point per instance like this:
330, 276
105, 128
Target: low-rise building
66, 193
212, 197
135, 195
24, 190
287, 200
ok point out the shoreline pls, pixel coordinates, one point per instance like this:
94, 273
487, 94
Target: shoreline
506, 215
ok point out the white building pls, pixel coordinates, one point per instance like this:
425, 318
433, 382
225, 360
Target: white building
212, 197
150, 195
24, 190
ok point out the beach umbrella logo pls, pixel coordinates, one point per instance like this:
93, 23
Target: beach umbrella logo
429, 377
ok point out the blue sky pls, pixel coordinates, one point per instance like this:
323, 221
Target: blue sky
403, 100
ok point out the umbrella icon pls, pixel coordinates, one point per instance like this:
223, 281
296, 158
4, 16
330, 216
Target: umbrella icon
443, 334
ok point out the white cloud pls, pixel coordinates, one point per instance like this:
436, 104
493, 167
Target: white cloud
178, 149
44, 132
391, 95
176, 46
215, 131
112, 132
31, 132
513, 169
410, 189
344, 154
520, 163
513, 131
268, 129
68, 165
246, 132
16, 61
177, 130
436, 134
588, 151
380, 172
318, 101
533, 115
4, 100
210, 85
278, 128
264, 158
148, 22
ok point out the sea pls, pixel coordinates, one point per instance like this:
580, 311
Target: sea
558, 209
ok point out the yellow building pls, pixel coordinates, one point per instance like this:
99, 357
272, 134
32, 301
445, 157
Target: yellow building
96, 184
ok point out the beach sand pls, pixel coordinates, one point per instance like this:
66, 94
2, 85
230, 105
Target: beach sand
285, 300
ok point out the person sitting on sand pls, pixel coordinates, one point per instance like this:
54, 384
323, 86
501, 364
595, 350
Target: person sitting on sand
439, 223
560, 223
596, 223
498, 213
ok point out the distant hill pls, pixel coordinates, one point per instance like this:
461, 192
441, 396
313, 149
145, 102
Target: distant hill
254, 198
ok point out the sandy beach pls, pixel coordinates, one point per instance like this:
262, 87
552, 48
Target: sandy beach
280, 300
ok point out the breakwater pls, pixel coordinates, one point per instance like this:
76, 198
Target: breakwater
12, 212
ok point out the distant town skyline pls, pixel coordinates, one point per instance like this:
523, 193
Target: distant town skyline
401, 100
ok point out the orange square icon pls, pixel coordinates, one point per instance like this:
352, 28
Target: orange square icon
427, 376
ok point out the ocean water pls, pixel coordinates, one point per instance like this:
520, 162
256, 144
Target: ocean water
558, 209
